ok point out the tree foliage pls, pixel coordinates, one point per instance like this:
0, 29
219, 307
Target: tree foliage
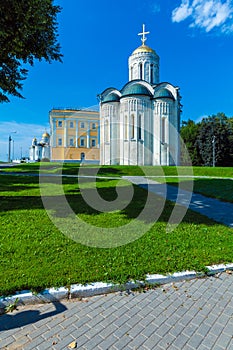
209, 141
189, 132
28, 31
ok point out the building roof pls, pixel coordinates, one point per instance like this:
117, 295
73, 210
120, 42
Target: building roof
112, 97
143, 48
163, 93
135, 89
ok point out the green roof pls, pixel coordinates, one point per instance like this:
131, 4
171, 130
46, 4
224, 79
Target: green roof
111, 98
163, 93
135, 89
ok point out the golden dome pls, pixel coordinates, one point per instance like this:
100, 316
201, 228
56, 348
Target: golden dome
45, 134
143, 48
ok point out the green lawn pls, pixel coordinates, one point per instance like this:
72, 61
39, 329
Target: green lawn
34, 254
119, 170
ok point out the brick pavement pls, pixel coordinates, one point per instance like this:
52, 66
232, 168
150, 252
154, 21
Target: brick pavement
196, 314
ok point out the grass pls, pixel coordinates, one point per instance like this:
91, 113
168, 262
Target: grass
221, 189
34, 254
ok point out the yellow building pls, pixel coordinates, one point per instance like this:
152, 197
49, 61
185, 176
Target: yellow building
74, 135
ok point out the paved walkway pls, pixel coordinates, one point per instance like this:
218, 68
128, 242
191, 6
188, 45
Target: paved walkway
215, 209
192, 315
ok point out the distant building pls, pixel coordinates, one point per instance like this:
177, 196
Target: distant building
74, 135
40, 150
140, 123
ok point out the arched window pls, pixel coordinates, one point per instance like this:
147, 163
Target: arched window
132, 126
139, 127
131, 73
140, 70
163, 131
152, 74
106, 131
126, 128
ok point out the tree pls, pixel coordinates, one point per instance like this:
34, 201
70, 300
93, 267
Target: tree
28, 32
189, 133
215, 140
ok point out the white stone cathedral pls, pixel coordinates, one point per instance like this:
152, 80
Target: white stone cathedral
139, 125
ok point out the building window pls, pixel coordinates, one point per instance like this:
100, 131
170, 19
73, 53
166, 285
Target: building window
60, 124
152, 73
126, 127
71, 142
140, 70
71, 125
106, 131
82, 142
59, 142
93, 125
82, 125
139, 127
93, 143
163, 131
132, 127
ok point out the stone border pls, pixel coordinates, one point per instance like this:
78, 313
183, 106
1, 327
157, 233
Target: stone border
80, 291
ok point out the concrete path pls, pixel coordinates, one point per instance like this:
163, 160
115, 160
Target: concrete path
192, 315
215, 209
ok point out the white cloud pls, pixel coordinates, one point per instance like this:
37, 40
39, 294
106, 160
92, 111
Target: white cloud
22, 138
182, 12
206, 14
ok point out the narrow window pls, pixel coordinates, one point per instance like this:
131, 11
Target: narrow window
60, 124
152, 74
82, 125
126, 127
132, 127
59, 142
93, 126
106, 129
140, 70
71, 142
139, 127
71, 125
93, 143
82, 143
131, 78
163, 130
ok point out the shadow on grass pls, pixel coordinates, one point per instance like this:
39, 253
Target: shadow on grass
79, 206
14, 183
24, 318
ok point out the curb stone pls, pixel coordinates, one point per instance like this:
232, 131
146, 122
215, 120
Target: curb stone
80, 291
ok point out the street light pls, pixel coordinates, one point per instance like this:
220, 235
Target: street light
213, 142
9, 148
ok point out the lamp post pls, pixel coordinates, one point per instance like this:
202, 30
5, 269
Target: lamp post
9, 146
213, 142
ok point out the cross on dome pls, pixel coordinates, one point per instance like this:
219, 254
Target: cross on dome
143, 34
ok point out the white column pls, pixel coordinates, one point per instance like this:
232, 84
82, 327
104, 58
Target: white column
54, 134
88, 134
76, 133
65, 133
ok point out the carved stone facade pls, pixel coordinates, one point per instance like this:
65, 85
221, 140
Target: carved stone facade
139, 124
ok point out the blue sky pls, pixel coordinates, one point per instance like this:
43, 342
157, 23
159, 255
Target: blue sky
194, 40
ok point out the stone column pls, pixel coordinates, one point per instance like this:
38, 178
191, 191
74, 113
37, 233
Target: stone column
76, 133
65, 133
88, 134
